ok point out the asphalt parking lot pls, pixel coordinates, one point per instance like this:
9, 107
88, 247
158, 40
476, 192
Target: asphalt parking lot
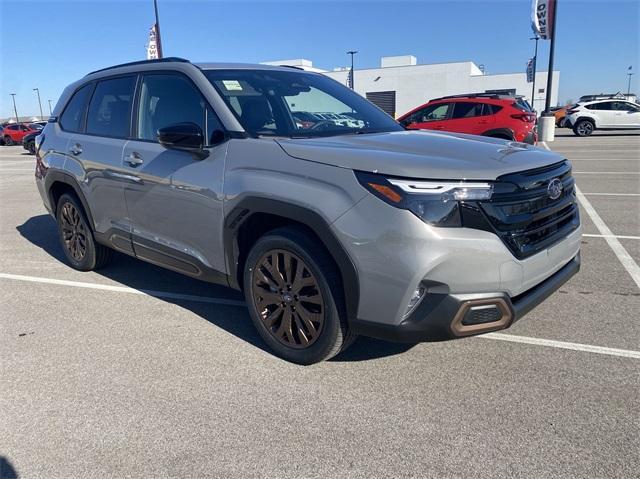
137, 371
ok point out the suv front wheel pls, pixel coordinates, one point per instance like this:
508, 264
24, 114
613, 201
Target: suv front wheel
295, 299
76, 237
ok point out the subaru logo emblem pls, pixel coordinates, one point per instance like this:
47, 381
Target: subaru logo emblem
554, 190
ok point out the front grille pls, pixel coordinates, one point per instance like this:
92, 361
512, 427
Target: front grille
524, 216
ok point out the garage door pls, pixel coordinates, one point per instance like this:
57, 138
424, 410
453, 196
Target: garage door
385, 100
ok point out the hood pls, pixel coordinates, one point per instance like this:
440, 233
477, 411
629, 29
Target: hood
422, 154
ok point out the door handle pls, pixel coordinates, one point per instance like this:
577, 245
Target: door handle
134, 159
76, 149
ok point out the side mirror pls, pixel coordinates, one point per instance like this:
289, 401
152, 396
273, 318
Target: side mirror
185, 136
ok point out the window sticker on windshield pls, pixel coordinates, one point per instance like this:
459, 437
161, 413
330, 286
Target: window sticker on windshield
232, 85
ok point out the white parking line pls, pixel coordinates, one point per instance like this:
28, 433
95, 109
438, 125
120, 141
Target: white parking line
611, 236
623, 256
611, 194
588, 348
229, 302
607, 172
123, 289
18, 169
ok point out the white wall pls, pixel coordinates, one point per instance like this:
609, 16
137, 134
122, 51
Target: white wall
416, 85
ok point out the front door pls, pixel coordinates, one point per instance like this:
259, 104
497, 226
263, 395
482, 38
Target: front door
431, 117
176, 202
627, 114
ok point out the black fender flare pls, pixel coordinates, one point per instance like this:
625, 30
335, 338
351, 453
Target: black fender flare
309, 218
56, 176
500, 131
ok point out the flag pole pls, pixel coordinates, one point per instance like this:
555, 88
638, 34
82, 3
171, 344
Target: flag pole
535, 66
629, 83
547, 103
158, 40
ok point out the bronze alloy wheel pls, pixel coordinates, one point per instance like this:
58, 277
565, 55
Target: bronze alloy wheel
288, 298
74, 233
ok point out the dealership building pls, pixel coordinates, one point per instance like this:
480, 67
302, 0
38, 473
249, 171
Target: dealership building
401, 84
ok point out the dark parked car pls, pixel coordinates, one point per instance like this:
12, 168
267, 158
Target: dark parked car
29, 142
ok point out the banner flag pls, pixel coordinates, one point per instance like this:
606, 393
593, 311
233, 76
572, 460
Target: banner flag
152, 47
542, 17
531, 65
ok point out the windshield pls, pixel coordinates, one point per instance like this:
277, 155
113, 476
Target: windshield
296, 104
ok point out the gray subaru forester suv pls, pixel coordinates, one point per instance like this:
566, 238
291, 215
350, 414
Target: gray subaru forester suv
333, 219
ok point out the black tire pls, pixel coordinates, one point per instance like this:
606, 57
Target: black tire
333, 334
584, 128
31, 146
8, 141
74, 229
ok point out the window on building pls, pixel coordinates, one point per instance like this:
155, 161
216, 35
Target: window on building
110, 107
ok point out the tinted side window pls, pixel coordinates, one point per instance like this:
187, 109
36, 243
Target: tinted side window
605, 105
464, 109
624, 106
490, 109
73, 114
110, 107
430, 113
170, 99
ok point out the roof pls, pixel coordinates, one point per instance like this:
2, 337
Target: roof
148, 64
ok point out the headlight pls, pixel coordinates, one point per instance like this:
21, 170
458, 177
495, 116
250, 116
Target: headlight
435, 202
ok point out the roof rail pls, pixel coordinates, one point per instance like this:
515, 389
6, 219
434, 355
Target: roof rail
292, 66
602, 96
476, 95
142, 62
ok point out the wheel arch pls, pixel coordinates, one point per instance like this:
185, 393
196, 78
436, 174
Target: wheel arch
504, 133
57, 183
255, 216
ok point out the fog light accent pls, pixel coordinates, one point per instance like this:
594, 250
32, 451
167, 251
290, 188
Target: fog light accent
415, 300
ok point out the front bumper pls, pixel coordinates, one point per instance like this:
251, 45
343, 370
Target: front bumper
440, 315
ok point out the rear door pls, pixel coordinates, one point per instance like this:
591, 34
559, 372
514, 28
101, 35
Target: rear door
604, 111
95, 156
469, 117
176, 200
627, 115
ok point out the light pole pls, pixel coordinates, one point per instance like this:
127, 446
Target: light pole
552, 48
353, 83
535, 63
50, 113
15, 110
629, 84
37, 90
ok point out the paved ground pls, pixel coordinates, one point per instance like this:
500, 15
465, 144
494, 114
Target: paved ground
110, 382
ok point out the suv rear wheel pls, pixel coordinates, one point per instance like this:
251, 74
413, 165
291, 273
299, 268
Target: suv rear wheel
76, 237
8, 141
292, 288
584, 128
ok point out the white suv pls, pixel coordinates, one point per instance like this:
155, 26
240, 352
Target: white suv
609, 114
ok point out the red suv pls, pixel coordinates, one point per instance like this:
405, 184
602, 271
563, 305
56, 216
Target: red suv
499, 116
14, 133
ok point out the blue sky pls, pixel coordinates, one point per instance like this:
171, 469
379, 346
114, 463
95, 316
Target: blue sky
48, 44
